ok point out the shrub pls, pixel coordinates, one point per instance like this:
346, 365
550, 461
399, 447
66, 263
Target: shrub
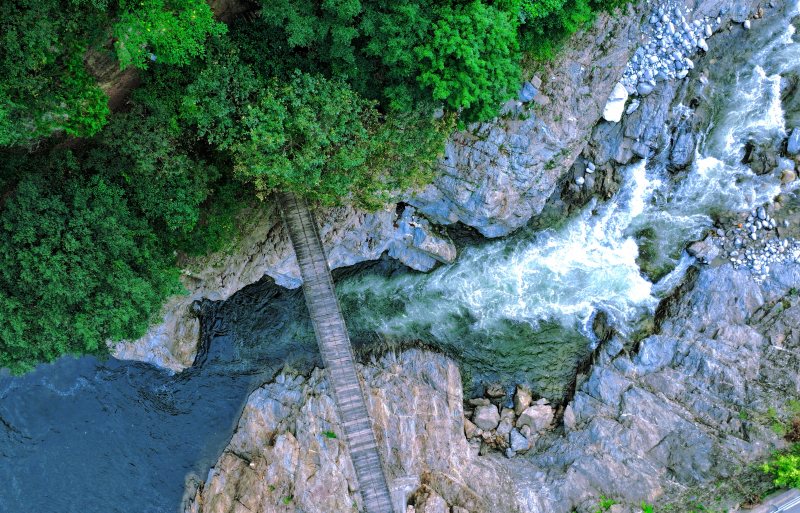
785, 468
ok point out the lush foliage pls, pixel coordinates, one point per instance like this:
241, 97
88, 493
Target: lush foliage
785, 468
77, 267
171, 32
470, 62
45, 87
408, 52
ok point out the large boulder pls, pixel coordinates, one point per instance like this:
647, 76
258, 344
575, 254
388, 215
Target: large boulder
793, 144
538, 417
762, 158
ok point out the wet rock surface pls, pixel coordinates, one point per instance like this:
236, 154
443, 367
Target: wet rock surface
689, 406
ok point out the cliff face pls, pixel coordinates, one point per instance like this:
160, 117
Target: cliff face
692, 406
262, 249
287, 454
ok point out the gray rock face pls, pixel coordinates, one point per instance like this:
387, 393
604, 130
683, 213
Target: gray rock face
671, 414
682, 152
286, 454
519, 442
497, 175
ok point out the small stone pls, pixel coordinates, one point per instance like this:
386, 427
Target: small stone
522, 399
505, 427
579, 180
519, 443
701, 44
469, 428
746, 24
644, 88
479, 401
486, 417
709, 31
762, 213
510, 453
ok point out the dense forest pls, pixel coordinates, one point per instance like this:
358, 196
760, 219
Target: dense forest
337, 100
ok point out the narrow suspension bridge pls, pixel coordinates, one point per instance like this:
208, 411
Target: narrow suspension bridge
337, 353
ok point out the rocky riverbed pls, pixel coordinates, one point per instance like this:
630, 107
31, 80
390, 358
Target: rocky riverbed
656, 421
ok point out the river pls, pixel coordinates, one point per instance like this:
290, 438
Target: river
85, 435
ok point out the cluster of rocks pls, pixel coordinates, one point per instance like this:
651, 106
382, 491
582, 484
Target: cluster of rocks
673, 39
754, 240
511, 427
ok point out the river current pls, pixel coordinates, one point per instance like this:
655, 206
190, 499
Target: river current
90, 436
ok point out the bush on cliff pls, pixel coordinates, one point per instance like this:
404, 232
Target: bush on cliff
785, 468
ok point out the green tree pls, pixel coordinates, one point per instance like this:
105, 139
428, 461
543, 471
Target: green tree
44, 86
309, 135
76, 268
170, 31
471, 61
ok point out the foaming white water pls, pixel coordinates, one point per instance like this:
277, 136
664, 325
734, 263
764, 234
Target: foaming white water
755, 113
590, 263
564, 274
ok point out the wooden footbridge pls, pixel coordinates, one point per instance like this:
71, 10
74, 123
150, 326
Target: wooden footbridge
337, 353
